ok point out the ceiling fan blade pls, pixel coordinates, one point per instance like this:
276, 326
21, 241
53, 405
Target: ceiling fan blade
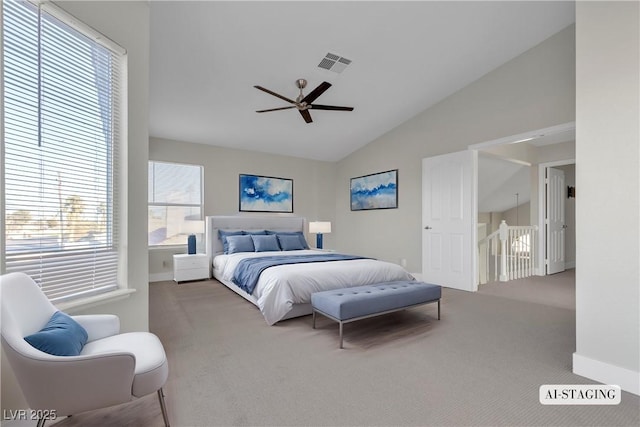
277, 95
306, 115
330, 107
275, 109
322, 87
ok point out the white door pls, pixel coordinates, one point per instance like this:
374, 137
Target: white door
556, 192
449, 218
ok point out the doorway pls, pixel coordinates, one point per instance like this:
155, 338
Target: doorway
542, 148
557, 216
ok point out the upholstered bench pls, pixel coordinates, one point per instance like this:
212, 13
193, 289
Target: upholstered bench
351, 304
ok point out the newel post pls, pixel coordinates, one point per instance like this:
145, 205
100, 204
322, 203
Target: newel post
504, 234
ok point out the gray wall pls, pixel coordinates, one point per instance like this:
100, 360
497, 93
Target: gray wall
523, 215
533, 91
607, 182
313, 186
126, 23
493, 219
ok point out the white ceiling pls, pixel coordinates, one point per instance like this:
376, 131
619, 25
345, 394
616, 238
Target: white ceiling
207, 56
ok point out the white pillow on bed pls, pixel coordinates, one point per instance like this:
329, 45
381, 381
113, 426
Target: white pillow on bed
239, 244
265, 243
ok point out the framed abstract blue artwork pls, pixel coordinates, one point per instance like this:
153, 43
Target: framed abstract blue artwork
265, 194
375, 191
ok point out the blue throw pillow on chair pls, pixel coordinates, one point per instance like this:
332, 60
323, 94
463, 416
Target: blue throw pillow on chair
61, 336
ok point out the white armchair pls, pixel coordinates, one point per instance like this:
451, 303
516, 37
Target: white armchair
112, 368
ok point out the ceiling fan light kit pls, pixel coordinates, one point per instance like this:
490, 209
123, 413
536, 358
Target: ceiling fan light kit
304, 103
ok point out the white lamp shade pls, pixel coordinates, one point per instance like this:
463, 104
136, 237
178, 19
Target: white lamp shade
320, 227
192, 227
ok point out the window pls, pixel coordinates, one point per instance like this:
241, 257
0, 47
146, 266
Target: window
175, 198
63, 89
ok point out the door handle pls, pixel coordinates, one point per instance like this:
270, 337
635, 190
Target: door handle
428, 228
565, 226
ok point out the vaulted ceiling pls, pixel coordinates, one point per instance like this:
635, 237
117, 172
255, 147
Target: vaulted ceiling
405, 57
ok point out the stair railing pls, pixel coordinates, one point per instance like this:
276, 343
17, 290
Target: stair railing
512, 249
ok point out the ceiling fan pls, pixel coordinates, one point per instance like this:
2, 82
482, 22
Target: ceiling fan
304, 103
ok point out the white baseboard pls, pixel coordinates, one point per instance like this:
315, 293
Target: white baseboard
606, 373
160, 277
569, 265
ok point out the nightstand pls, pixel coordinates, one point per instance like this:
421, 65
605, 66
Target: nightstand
190, 267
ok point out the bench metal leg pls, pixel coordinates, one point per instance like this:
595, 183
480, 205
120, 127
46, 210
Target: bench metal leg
313, 313
163, 407
341, 334
438, 309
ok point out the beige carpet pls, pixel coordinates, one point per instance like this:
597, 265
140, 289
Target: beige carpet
557, 290
482, 364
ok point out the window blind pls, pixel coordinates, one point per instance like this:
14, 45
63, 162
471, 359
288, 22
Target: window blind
63, 91
175, 197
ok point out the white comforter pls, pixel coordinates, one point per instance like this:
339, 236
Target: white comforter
282, 286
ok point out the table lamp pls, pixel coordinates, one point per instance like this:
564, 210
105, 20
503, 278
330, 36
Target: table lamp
192, 228
319, 228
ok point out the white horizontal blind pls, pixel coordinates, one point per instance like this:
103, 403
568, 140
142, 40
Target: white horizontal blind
62, 118
175, 197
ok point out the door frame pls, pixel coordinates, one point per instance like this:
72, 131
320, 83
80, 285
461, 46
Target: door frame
541, 269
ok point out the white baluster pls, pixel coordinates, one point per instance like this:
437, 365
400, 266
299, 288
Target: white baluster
520, 258
494, 248
531, 240
512, 255
534, 250
527, 262
504, 235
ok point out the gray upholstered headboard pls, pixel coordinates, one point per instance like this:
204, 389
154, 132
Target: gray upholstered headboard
246, 222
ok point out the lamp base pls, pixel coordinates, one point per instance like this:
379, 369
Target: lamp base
319, 241
191, 244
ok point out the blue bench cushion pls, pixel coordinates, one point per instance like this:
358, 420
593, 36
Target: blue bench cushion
349, 303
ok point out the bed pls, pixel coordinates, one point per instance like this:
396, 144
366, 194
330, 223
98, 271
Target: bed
284, 291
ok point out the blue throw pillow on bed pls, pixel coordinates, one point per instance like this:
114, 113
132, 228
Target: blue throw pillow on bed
256, 232
300, 235
289, 243
239, 244
223, 234
265, 243
61, 336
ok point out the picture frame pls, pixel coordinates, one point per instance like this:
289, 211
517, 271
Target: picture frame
374, 191
265, 194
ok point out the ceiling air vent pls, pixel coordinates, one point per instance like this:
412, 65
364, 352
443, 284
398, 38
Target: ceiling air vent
333, 62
